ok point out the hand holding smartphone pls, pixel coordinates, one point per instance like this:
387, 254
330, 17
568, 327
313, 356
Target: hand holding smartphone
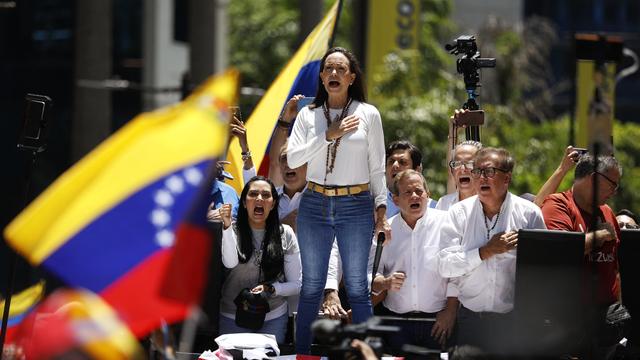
304, 102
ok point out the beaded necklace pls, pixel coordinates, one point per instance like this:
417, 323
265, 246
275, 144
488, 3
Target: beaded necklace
493, 226
332, 149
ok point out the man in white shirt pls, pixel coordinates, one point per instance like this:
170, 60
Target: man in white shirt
407, 272
400, 155
460, 172
294, 184
478, 250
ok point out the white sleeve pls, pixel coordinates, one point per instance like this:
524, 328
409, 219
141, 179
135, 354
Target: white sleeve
292, 268
299, 150
335, 268
293, 276
248, 174
375, 138
537, 221
453, 259
229, 248
452, 288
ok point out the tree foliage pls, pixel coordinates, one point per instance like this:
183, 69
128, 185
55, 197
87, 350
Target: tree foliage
420, 90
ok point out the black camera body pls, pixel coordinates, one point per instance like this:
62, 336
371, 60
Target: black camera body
338, 336
470, 61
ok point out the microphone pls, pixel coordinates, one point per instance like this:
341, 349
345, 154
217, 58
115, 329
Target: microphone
376, 258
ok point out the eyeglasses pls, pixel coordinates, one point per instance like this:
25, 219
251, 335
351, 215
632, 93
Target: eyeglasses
626, 225
341, 70
488, 172
613, 183
454, 164
254, 194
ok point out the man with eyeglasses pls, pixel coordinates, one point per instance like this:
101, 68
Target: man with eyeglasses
460, 170
627, 219
572, 210
478, 250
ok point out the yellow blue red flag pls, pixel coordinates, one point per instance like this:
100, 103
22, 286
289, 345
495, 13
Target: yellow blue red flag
22, 304
75, 322
108, 224
299, 76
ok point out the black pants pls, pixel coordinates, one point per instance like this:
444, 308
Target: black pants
490, 332
412, 331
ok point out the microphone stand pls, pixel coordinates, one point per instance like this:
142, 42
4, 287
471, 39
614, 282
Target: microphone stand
376, 258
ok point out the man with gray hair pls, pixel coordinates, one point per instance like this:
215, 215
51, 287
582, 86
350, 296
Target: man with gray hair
478, 250
573, 210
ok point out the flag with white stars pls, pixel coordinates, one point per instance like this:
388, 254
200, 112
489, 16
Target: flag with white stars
109, 223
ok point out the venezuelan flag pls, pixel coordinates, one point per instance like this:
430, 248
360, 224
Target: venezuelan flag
299, 76
108, 224
22, 304
76, 321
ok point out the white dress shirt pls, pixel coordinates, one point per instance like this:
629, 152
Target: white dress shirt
413, 251
288, 204
446, 201
483, 285
360, 158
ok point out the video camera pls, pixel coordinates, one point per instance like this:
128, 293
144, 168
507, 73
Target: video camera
470, 61
468, 65
338, 337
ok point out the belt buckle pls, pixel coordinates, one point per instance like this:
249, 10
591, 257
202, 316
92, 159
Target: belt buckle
331, 192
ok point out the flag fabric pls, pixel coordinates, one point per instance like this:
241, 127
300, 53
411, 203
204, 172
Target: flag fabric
22, 304
71, 322
108, 224
299, 76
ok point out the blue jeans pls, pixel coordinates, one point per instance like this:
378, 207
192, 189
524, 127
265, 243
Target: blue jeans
349, 219
276, 327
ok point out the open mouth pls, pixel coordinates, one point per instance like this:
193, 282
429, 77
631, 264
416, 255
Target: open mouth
334, 83
465, 180
258, 210
415, 206
485, 188
290, 174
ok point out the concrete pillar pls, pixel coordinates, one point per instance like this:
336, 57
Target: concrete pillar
93, 61
165, 59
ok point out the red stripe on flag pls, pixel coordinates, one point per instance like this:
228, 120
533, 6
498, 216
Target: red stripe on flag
136, 296
264, 166
186, 276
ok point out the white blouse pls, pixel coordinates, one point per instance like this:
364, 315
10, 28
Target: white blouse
360, 158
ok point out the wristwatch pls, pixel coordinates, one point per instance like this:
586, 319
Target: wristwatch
269, 289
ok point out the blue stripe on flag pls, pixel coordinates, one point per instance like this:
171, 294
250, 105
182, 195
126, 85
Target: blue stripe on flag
118, 241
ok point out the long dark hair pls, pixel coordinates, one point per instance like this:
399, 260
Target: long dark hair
272, 262
356, 90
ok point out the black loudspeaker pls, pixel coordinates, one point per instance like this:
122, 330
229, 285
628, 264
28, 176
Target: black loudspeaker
548, 293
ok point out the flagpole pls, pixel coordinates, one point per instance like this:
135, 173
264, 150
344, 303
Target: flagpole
13, 258
335, 25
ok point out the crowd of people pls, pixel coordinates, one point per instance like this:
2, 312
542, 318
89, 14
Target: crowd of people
333, 187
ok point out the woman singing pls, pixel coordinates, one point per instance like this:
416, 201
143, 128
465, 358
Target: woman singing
340, 139
263, 256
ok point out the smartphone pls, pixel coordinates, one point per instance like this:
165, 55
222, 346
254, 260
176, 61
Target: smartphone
235, 112
305, 101
35, 122
581, 151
